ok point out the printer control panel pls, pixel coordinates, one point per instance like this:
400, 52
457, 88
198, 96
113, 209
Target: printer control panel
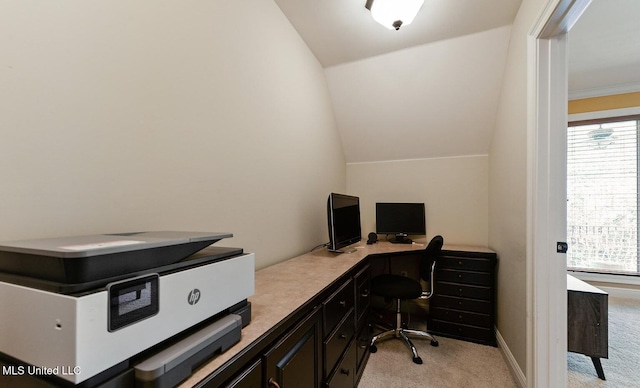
132, 300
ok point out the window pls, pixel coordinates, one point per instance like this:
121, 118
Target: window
602, 193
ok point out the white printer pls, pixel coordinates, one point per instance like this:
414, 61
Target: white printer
81, 310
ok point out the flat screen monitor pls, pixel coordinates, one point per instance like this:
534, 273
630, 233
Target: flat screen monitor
401, 220
343, 214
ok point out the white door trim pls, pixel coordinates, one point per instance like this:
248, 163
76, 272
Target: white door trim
546, 192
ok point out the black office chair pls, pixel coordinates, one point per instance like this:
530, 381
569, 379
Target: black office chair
401, 288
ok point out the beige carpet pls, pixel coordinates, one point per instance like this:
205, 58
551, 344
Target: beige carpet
453, 364
462, 364
622, 368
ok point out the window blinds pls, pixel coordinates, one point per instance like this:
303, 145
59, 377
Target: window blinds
602, 191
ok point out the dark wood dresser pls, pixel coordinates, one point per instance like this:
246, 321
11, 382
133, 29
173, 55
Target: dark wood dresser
587, 321
463, 306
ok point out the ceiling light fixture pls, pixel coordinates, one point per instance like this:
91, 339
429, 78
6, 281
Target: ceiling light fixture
394, 13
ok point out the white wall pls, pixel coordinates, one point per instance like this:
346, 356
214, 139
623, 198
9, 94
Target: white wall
454, 191
202, 115
213, 115
508, 188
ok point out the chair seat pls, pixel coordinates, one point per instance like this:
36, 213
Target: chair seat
396, 287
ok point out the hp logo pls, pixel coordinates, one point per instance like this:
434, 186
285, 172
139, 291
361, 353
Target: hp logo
194, 296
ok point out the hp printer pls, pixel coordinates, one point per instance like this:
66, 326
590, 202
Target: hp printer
98, 309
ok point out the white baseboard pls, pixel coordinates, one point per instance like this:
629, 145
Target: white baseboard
517, 373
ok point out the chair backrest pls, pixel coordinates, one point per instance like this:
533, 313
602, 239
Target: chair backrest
431, 253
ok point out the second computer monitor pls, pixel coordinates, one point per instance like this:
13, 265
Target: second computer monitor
400, 220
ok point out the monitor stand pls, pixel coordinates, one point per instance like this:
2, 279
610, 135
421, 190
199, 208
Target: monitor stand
401, 238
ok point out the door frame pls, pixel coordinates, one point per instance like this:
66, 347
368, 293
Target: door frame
547, 87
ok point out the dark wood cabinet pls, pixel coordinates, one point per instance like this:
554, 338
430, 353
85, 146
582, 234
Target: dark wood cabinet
295, 360
347, 333
363, 333
363, 293
325, 342
336, 343
323, 345
251, 377
587, 321
349, 357
337, 306
322, 339
463, 305
344, 376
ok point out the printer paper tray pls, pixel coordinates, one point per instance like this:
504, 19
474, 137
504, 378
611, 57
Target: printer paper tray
172, 365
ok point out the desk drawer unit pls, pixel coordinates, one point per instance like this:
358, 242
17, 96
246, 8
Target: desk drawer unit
463, 306
344, 375
464, 290
337, 341
339, 325
363, 294
461, 316
337, 306
363, 334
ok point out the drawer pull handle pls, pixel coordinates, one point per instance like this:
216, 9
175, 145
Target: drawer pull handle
273, 383
365, 294
459, 276
343, 303
344, 371
343, 336
460, 262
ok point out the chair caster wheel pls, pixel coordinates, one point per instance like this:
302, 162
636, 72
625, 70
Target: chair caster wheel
373, 348
417, 360
434, 343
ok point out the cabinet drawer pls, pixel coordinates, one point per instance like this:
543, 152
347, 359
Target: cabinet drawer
478, 306
251, 377
363, 288
296, 359
364, 319
337, 342
336, 306
467, 277
344, 375
465, 263
463, 290
363, 340
464, 331
458, 316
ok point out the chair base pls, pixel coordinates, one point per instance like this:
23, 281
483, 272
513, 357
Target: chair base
403, 334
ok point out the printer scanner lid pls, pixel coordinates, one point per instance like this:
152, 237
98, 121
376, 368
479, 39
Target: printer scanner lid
86, 259
102, 244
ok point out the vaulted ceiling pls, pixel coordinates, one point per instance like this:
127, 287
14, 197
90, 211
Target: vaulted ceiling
339, 31
431, 89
